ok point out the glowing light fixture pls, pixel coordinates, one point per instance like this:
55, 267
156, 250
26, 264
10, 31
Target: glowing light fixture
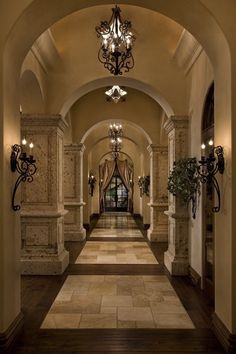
115, 133
116, 94
116, 44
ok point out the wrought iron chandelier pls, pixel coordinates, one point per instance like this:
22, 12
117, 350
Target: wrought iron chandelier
115, 133
116, 93
116, 44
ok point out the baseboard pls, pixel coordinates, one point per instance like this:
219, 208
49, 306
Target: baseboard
227, 339
195, 277
8, 337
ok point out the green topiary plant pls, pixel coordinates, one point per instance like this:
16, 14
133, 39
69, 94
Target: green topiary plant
184, 182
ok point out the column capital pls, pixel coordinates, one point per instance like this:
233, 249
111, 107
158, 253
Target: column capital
44, 120
74, 147
157, 148
174, 122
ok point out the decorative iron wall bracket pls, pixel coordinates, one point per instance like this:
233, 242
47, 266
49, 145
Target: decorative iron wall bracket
91, 182
143, 183
25, 165
208, 168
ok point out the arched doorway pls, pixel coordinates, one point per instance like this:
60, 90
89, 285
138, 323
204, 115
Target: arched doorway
116, 185
208, 217
116, 194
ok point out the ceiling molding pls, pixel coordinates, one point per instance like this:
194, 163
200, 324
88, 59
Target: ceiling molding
187, 51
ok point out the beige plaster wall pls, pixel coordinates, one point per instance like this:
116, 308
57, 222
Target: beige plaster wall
199, 79
33, 92
138, 108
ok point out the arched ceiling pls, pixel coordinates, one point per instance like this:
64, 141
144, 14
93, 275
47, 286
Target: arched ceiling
91, 115
77, 68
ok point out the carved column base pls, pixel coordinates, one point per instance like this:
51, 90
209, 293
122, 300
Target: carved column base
74, 230
176, 265
158, 231
176, 257
45, 265
43, 251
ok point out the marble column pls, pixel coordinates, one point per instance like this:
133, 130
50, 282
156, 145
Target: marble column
158, 231
42, 211
73, 196
176, 257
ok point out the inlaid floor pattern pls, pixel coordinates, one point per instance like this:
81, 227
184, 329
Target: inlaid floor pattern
110, 252
117, 301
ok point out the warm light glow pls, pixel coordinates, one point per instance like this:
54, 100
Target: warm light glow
116, 44
31, 145
24, 141
203, 146
210, 142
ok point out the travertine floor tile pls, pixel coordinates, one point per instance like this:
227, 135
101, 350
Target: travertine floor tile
117, 301
173, 320
111, 252
134, 314
102, 320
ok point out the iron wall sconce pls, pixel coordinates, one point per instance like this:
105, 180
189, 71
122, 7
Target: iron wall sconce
143, 183
25, 165
208, 168
91, 183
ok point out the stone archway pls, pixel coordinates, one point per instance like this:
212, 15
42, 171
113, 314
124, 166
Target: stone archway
213, 41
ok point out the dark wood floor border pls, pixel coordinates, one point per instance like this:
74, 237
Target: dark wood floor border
194, 277
227, 339
8, 337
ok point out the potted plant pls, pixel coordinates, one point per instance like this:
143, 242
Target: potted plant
184, 182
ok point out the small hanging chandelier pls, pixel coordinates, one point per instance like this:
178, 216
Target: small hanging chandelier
116, 94
116, 44
115, 133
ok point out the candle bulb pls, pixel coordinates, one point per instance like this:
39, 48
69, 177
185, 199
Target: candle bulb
24, 141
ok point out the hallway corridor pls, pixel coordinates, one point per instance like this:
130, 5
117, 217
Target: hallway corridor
115, 297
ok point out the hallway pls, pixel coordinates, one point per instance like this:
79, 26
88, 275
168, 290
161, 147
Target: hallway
107, 303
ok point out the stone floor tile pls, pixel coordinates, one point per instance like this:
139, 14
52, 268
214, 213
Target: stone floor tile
127, 324
134, 314
166, 307
101, 320
108, 309
117, 301
67, 320
145, 324
173, 320
103, 288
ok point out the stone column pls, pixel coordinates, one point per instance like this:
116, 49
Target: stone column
158, 230
176, 257
73, 197
42, 212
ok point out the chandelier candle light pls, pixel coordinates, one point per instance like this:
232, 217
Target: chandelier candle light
115, 133
24, 164
116, 44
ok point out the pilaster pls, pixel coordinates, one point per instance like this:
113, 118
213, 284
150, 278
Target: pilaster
73, 186
42, 212
158, 230
176, 257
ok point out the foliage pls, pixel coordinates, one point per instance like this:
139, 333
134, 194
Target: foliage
184, 182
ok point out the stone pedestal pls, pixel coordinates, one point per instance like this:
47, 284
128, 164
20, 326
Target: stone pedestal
158, 230
176, 257
73, 192
42, 213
